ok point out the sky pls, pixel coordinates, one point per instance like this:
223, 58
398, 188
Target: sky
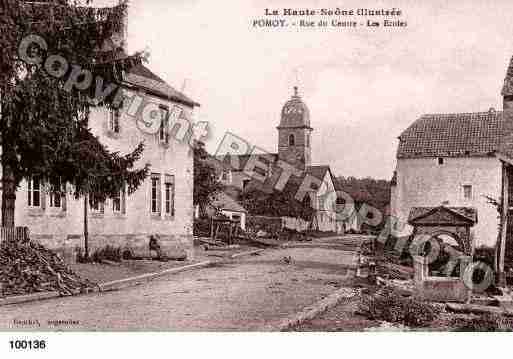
363, 86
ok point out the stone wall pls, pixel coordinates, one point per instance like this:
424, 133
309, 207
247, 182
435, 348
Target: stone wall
421, 182
440, 289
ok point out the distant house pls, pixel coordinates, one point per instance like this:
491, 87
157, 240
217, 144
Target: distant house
229, 207
456, 160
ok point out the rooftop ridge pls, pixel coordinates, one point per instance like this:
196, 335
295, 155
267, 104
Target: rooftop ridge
459, 114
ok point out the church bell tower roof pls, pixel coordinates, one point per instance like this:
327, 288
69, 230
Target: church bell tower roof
295, 113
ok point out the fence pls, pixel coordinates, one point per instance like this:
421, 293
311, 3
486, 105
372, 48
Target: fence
13, 233
274, 225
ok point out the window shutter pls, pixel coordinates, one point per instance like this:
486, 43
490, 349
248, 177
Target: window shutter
123, 201
63, 197
159, 196
42, 193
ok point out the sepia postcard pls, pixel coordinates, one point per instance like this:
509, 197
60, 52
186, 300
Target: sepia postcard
255, 166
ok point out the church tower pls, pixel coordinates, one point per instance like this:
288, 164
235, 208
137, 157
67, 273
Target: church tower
294, 133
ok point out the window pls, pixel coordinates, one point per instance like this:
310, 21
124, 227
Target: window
308, 140
169, 200
34, 192
118, 202
467, 191
114, 117
57, 191
245, 183
292, 140
440, 161
155, 194
96, 204
164, 126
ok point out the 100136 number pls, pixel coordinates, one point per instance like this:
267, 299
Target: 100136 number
27, 344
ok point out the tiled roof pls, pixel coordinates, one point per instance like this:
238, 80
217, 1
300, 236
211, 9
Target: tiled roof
468, 213
453, 135
142, 77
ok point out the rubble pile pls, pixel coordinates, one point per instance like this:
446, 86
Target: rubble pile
28, 267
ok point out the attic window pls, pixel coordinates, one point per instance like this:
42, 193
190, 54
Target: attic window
440, 161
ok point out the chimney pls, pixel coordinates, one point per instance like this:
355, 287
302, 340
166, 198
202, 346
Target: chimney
507, 89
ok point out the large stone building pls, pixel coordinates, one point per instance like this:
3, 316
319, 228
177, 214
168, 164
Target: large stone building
294, 148
163, 204
457, 162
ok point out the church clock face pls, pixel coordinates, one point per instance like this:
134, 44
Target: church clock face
293, 110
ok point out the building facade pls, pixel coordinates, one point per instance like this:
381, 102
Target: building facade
163, 204
457, 160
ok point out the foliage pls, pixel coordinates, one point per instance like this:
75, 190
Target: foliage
367, 190
206, 181
44, 126
265, 200
389, 306
483, 323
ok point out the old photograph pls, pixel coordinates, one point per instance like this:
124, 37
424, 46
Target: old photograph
255, 166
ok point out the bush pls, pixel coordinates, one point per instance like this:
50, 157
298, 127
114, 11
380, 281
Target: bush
485, 255
485, 323
390, 307
108, 252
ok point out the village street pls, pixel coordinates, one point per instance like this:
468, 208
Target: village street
249, 293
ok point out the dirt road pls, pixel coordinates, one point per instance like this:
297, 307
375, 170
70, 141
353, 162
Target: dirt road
250, 293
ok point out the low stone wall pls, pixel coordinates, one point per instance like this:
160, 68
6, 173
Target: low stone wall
68, 246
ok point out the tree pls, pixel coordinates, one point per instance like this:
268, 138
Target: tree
206, 181
44, 122
265, 200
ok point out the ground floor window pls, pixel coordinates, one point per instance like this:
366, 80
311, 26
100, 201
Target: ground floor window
155, 204
96, 204
57, 193
170, 195
34, 193
119, 202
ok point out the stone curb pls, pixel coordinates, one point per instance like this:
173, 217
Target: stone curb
29, 298
313, 310
126, 282
248, 253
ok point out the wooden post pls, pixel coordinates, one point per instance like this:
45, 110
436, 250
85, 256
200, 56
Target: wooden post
501, 279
